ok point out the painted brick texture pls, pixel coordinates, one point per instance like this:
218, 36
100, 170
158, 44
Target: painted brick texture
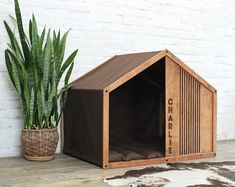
201, 33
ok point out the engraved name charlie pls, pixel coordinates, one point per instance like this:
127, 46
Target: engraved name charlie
170, 125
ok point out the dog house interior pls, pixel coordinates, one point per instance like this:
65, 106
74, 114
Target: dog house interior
137, 116
139, 109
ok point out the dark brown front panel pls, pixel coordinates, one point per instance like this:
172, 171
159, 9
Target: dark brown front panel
189, 114
172, 107
83, 125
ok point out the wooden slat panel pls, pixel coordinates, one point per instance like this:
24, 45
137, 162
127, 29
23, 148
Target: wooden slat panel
206, 120
172, 107
189, 114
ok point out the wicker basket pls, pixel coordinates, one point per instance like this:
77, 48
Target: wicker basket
39, 145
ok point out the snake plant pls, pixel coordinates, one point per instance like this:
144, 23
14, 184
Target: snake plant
36, 64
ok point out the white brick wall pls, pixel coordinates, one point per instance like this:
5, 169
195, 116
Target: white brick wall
201, 33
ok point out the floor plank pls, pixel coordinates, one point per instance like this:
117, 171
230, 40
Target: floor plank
67, 171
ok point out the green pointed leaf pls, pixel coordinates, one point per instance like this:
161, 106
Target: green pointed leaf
39, 109
61, 50
21, 32
17, 61
31, 109
67, 63
54, 39
35, 41
15, 76
41, 39
9, 67
30, 31
66, 80
47, 64
10, 34
14, 44
51, 97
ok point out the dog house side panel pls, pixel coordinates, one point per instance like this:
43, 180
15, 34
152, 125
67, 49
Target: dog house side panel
190, 113
206, 120
83, 125
172, 107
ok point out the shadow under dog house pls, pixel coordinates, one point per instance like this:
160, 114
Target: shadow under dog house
140, 108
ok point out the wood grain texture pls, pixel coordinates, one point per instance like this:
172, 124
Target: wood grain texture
136, 163
214, 121
189, 70
137, 70
161, 160
172, 111
105, 128
206, 120
112, 70
120, 68
66, 171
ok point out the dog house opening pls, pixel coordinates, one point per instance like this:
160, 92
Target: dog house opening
137, 116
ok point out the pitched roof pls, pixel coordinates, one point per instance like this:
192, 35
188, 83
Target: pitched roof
126, 66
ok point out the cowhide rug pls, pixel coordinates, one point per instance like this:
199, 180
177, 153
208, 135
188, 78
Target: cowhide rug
204, 174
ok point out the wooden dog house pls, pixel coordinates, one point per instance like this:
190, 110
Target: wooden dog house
140, 108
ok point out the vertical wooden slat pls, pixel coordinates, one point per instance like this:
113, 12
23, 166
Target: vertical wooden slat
199, 117
193, 115
196, 119
183, 106
185, 112
190, 116
180, 112
187, 122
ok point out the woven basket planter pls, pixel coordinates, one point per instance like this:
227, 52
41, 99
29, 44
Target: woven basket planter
39, 145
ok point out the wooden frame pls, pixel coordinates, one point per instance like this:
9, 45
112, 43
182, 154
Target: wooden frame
192, 99
106, 129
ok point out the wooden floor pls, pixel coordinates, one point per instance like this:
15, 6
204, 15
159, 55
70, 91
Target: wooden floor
68, 171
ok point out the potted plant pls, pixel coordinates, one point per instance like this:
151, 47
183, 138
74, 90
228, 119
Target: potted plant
35, 64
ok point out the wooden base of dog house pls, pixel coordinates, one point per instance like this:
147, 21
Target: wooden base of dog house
159, 160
